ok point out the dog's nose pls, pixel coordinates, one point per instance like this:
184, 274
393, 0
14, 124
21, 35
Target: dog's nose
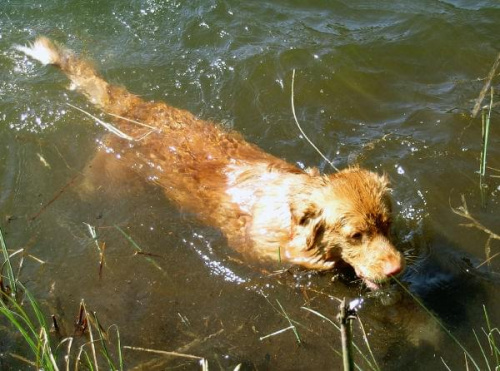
392, 268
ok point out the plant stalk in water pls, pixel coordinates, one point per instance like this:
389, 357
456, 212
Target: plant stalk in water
345, 318
485, 120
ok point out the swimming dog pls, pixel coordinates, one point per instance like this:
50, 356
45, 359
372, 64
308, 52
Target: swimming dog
268, 209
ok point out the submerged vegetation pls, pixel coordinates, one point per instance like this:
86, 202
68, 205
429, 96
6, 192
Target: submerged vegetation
46, 348
486, 111
44, 345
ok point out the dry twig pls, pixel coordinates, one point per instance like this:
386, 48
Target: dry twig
486, 87
463, 211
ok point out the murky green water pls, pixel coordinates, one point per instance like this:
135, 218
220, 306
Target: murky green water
389, 85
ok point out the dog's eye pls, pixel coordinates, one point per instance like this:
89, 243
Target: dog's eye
357, 236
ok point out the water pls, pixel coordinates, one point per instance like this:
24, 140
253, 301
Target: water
389, 86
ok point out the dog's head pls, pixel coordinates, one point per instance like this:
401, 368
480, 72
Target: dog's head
348, 217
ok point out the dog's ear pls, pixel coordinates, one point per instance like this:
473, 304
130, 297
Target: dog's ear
303, 213
307, 223
384, 189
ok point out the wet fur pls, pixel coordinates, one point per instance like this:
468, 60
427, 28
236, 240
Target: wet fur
267, 208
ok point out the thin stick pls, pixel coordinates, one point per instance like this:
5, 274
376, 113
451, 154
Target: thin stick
59, 193
132, 121
35, 259
113, 129
25, 360
163, 352
292, 327
91, 336
300, 128
68, 351
488, 260
101, 259
463, 211
110, 127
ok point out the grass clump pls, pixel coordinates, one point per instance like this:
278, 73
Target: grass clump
42, 340
43, 345
22, 311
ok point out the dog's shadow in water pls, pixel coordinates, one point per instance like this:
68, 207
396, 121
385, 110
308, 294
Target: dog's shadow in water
448, 281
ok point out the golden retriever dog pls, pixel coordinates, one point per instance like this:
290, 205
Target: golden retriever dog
268, 209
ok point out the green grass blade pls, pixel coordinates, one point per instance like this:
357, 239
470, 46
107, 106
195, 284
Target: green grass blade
482, 350
119, 345
89, 361
138, 248
102, 341
294, 329
13, 318
8, 265
491, 337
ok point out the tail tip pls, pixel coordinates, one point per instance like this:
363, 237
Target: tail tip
42, 50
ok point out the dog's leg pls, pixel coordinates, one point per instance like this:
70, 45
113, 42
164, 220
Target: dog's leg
106, 174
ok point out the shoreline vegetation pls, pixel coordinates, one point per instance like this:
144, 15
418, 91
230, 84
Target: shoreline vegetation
45, 344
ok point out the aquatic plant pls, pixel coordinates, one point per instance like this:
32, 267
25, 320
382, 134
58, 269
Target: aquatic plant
23, 312
485, 134
485, 125
88, 347
25, 315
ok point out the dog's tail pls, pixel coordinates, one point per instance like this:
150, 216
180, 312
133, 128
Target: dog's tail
82, 74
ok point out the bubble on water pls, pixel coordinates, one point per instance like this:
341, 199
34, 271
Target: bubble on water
421, 195
399, 169
205, 251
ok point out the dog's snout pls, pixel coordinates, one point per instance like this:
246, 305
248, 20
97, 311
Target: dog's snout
393, 267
